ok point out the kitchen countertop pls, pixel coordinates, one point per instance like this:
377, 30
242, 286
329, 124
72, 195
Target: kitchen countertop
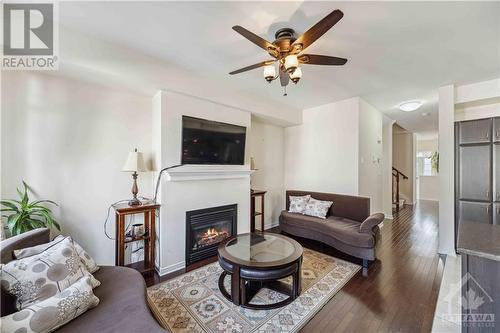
479, 239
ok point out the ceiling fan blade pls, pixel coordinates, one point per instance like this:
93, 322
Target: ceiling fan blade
284, 77
257, 40
316, 59
316, 31
260, 64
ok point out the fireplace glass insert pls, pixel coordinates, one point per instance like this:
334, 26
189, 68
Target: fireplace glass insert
206, 228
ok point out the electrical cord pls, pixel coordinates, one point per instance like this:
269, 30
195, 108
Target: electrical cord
146, 199
107, 217
159, 177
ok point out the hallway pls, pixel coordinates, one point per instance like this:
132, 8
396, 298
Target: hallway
402, 286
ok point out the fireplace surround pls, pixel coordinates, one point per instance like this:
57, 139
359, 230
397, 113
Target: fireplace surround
206, 228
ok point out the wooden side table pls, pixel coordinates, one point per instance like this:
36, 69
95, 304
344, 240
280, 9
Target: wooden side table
253, 213
121, 212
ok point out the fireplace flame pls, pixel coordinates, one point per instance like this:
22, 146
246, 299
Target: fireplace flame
211, 236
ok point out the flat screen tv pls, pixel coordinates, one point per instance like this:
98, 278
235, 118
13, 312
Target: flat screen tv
212, 142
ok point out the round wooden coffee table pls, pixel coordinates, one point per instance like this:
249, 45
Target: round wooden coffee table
258, 260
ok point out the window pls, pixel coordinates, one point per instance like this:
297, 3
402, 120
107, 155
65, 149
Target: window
424, 164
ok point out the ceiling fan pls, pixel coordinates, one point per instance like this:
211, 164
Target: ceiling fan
286, 51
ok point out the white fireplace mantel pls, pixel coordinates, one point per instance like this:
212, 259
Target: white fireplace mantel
206, 172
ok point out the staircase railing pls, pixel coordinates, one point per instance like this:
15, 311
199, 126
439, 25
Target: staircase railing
396, 175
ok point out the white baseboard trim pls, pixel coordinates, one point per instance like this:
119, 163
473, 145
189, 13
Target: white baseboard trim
389, 217
272, 225
170, 268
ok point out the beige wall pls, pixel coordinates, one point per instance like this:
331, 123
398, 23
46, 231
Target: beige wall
403, 156
427, 186
427, 145
267, 147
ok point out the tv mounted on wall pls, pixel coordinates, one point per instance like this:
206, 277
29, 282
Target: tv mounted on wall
212, 142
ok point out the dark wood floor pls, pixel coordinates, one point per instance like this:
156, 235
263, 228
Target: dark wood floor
400, 292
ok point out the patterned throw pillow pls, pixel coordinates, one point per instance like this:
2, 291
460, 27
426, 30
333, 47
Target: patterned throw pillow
52, 313
36, 278
317, 208
298, 204
84, 256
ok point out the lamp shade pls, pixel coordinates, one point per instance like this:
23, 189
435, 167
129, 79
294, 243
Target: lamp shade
135, 162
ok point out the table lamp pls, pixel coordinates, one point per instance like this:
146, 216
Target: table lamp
134, 164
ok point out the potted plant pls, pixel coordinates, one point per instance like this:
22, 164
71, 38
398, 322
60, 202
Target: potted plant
25, 216
435, 161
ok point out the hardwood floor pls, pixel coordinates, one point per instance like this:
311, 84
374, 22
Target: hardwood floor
401, 289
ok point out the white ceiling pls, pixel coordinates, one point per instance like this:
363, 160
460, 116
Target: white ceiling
397, 50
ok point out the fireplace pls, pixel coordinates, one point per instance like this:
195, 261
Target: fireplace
206, 228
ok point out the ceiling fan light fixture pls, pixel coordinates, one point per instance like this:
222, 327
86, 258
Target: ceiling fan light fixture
409, 106
296, 75
291, 62
269, 73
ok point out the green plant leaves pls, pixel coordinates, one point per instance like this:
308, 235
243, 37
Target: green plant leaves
27, 216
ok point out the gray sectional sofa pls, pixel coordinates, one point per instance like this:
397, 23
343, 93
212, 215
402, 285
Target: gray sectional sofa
122, 307
348, 227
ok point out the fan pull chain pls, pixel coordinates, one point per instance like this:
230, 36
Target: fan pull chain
284, 91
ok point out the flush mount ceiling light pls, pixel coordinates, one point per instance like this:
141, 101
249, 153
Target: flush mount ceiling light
410, 105
286, 51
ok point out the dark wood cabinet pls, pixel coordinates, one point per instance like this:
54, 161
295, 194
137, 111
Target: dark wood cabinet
496, 173
480, 212
254, 194
475, 131
475, 172
480, 287
496, 213
496, 129
148, 211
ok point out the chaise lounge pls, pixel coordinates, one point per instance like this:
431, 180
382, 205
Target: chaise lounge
348, 226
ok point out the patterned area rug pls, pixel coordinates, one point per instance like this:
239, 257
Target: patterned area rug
192, 302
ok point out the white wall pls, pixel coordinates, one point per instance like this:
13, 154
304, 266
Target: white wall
68, 140
478, 110
337, 149
387, 166
267, 147
370, 155
447, 171
178, 197
322, 154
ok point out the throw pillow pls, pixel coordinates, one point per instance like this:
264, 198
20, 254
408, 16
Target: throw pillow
317, 208
36, 278
52, 313
87, 260
298, 204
